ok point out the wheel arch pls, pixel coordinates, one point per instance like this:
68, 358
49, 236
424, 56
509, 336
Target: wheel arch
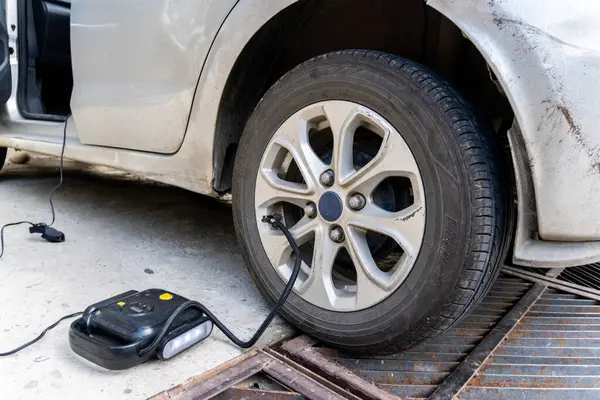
538, 63
250, 55
294, 32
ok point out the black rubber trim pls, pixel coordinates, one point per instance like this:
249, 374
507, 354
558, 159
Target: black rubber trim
5, 73
3, 151
23, 57
64, 3
454, 383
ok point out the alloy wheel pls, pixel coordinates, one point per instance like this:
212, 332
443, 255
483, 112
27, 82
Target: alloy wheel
350, 190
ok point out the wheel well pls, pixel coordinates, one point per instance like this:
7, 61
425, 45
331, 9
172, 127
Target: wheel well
312, 27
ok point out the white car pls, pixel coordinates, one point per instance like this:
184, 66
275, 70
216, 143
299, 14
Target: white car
410, 146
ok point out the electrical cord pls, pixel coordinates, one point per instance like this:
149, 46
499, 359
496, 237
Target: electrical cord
62, 162
8, 226
275, 222
41, 335
48, 233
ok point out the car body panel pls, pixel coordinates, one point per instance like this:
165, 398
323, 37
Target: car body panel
546, 55
136, 66
547, 66
191, 167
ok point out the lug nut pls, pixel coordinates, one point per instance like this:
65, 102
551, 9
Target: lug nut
310, 210
328, 177
337, 234
357, 202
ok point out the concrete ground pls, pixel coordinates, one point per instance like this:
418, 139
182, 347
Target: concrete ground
122, 233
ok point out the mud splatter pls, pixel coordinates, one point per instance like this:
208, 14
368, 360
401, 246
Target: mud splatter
574, 128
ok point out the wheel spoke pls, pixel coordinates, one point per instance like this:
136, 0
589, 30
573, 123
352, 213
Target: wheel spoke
344, 118
319, 287
370, 280
393, 159
271, 189
405, 227
278, 248
367, 288
293, 136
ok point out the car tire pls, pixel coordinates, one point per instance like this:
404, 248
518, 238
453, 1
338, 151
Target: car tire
468, 214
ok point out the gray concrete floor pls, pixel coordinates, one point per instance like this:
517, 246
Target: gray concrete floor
122, 233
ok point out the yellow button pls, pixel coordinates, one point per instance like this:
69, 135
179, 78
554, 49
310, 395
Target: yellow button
165, 296
121, 303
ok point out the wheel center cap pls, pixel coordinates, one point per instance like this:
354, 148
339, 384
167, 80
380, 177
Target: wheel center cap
330, 206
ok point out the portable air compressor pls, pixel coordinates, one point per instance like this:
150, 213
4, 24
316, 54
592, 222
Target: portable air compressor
133, 327
120, 332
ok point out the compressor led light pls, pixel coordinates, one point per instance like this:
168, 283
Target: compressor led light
185, 340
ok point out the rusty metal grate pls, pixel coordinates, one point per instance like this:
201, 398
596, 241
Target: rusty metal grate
552, 353
418, 372
293, 381
585, 275
524, 341
301, 369
242, 393
581, 281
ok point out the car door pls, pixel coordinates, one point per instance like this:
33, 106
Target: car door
5, 75
136, 64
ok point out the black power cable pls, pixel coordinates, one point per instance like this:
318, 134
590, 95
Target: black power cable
8, 226
48, 233
41, 335
62, 163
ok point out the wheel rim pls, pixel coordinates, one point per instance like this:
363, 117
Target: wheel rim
333, 204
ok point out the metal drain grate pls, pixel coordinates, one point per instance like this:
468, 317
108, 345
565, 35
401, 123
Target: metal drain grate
532, 342
417, 373
585, 275
552, 353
